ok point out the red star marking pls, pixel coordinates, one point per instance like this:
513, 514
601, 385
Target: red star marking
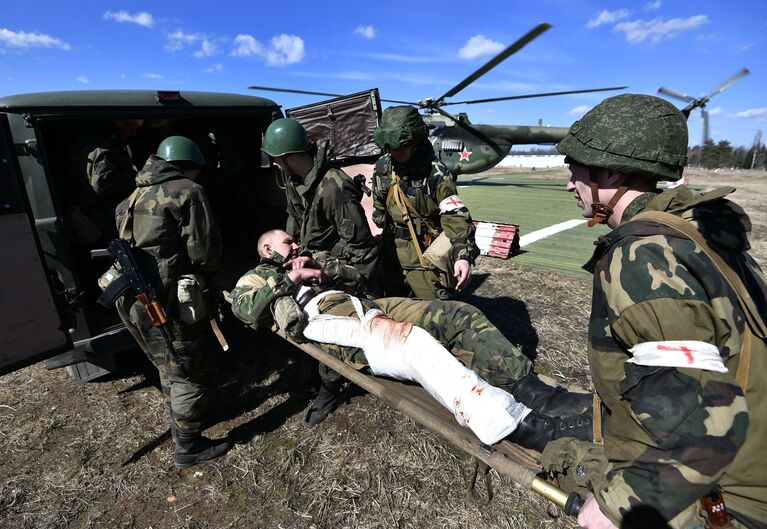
687, 352
464, 155
454, 202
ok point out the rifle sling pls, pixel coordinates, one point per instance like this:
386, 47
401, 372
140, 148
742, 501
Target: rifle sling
395, 193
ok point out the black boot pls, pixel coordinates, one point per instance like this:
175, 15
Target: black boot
554, 401
536, 430
327, 400
192, 448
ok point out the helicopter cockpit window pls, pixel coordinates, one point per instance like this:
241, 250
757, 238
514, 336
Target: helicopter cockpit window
452, 145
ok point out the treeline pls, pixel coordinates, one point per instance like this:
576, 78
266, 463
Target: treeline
723, 155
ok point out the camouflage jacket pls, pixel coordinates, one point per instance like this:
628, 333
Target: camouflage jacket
433, 194
325, 214
671, 434
101, 169
259, 288
172, 223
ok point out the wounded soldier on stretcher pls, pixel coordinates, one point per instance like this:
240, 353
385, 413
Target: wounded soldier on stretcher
448, 347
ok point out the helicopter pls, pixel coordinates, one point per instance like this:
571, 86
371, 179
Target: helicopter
467, 148
701, 102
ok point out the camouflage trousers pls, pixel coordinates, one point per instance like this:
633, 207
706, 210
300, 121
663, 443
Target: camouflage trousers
184, 395
461, 328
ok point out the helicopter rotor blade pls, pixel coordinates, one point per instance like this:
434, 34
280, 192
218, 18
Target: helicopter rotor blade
308, 92
495, 61
742, 73
677, 95
528, 96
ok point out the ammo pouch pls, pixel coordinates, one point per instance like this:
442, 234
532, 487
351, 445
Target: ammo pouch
109, 277
439, 261
192, 299
579, 466
290, 318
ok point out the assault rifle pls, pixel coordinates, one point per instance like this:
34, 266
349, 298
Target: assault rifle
133, 277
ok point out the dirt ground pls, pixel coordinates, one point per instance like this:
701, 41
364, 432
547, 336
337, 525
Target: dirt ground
100, 454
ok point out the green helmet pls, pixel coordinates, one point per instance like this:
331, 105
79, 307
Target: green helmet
636, 134
285, 136
180, 149
399, 126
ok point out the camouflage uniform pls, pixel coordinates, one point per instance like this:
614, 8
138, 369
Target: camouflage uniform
174, 234
461, 328
427, 182
102, 173
325, 214
671, 434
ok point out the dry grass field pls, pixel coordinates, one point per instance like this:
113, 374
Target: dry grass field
99, 454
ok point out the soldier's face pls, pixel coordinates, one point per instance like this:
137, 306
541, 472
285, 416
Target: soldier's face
283, 244
403, 154
579, 185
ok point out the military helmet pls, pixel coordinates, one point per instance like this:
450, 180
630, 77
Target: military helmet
180, 149
285, 136
399, 126
636, 134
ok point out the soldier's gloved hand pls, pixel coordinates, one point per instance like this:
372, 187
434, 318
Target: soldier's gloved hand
339, 272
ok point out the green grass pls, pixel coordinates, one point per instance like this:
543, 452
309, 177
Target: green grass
533, 203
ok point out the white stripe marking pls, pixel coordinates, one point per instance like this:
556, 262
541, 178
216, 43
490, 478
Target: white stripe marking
551, 230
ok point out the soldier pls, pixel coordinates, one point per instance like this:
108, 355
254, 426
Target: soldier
102, 173
409, 183
276, 291
324, 209
675, 338
169, 221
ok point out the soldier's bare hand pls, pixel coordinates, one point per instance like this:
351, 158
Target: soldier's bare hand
591, 517
301, 262
462, 272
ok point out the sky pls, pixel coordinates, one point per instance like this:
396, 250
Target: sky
408, 52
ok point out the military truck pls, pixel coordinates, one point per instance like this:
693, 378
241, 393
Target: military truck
48, 308
48, 301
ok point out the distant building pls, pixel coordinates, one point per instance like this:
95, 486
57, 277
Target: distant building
538, 161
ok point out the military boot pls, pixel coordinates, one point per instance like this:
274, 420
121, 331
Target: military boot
327, 400
193, 448
554, 401
536, 430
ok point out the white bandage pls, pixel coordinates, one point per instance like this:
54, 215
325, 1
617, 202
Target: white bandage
678, 353
400, 350
451, 203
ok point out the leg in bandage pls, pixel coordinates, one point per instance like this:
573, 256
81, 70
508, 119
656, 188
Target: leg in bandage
402, 351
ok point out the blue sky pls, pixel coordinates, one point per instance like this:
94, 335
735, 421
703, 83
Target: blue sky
408, 52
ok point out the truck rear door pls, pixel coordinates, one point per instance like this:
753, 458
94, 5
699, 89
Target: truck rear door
30, 326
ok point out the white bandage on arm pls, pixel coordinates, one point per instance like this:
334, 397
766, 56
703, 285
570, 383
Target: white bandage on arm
451, 203
678, 353
400, 350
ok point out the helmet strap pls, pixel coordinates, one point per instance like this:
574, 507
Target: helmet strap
602, 212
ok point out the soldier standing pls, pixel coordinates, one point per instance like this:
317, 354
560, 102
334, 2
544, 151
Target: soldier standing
325, 214
676, 336
169, 221
415, 200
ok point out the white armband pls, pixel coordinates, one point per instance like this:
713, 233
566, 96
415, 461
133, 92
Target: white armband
451, 203
678, 353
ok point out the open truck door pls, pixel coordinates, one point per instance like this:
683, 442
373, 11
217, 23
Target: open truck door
31, 328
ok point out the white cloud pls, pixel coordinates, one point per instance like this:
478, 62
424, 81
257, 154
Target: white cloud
653, 6
480, 46
715, 111
706, 37
395, 57
368, 31
608, 17
22, 39
751, 113
283, 49
180, 39
658, 29
142, 18
214, 69
207, 49
743, 47
82, 79
151, 75
579, 111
